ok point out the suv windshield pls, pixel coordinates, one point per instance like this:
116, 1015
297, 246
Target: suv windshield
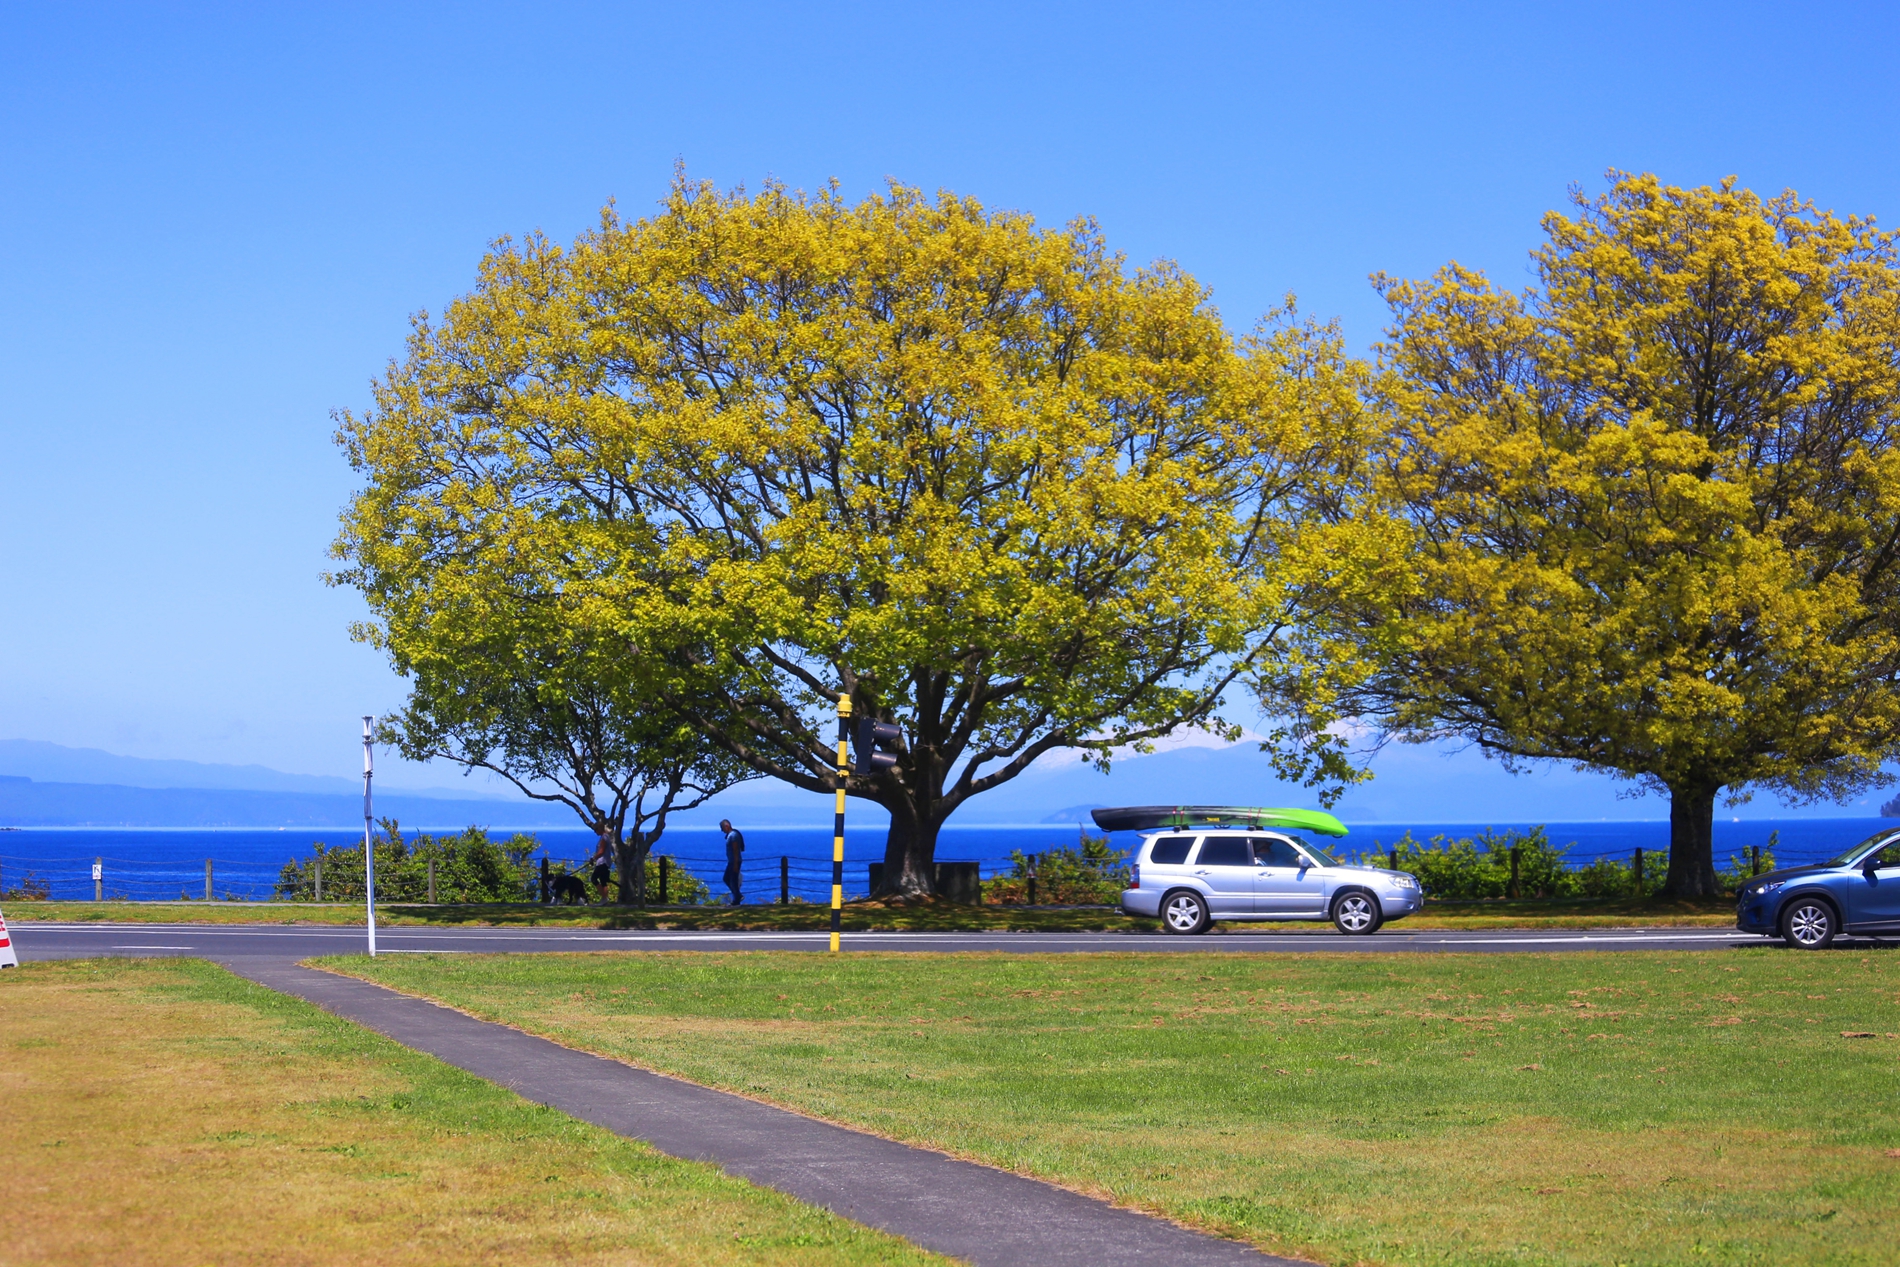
1313, 851
1853, 855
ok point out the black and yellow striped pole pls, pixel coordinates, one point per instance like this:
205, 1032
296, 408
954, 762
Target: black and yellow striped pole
837, 829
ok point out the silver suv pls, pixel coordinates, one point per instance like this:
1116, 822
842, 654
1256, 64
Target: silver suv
1189, 878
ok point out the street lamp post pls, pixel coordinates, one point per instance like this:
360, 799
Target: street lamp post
369, 843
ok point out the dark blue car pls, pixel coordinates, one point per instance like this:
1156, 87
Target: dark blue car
1856, 893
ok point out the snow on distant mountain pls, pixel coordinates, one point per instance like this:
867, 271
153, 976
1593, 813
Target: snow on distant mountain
54, 763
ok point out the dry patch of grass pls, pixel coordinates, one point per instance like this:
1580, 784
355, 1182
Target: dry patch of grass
1638, 1108
165, 1111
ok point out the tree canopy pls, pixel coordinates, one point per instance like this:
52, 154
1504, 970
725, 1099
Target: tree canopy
1652, 506
761, 449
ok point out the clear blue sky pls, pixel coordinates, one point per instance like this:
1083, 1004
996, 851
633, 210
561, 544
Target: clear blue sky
217, 222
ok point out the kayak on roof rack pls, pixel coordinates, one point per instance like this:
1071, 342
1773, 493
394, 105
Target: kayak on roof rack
1150, 817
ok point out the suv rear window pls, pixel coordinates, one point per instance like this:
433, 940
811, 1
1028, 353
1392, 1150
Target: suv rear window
1170, 850
1224, 851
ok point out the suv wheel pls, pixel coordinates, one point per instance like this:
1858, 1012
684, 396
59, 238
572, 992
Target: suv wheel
1184, 911
1808, 924
1357, 912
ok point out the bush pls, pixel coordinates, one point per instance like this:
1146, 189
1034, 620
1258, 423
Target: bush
31, 889
1476, 868
683, 888
1091, 874
468, 868
1741, 867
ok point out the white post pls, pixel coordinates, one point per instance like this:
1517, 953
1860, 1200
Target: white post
369, 843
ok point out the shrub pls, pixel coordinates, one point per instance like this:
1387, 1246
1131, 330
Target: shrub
1475, 868
31, 889
1091, 874
1741, 868
683, 888
468, 868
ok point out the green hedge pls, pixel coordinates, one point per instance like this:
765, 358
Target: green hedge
1090, 874
1474, 868
468, 868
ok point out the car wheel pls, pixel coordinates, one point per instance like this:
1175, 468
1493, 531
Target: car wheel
1356, 912
1184, 911
1808, 924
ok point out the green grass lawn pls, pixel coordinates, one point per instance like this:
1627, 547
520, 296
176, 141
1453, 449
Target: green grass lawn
164, 1111
860, 916
1606, 1108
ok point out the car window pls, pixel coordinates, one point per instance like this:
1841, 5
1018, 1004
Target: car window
1270, 852
1888, 857
1170, 850
1224, 851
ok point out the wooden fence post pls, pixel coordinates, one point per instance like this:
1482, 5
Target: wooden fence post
319, 875
432, 880
1515, 852
1032, 880
98, 879
1637, 868
544, 879
207, 879
784, 880
1754, 860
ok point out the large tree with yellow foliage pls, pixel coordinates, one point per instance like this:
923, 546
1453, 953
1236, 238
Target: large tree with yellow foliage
1654, 506
977, 475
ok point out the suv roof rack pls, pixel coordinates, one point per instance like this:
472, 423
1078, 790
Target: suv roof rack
1149, 817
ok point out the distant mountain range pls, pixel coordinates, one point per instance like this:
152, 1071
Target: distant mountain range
46, 785
54, 763
30, 803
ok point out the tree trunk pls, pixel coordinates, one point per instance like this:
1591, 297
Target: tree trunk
910, 855
1692, 842
631, 855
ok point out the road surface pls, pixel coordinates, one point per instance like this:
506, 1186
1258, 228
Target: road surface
228, 941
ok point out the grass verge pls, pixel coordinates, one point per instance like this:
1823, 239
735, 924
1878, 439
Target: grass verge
1611, 1108
166, 1111
859, 917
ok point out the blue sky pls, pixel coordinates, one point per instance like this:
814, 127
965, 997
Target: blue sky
218, 221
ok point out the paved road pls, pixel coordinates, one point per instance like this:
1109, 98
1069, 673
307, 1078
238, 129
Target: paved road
214, 941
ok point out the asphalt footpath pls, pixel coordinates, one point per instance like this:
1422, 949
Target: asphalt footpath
975, 1213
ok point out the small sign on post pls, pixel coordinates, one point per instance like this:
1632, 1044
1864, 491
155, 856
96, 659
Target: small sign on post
98, 879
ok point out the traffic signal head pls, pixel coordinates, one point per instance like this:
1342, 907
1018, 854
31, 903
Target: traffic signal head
876, 744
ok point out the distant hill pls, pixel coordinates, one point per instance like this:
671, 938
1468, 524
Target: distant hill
72, 787
30, 803
56, 763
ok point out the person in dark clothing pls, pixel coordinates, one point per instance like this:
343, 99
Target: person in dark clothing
603, 861
735, 847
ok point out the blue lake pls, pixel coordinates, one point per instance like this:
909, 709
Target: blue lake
166, 864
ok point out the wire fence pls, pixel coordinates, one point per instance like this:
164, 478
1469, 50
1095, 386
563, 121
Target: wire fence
763, 879
783, 877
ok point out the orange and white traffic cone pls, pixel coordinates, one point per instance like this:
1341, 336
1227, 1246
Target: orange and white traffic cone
8, 959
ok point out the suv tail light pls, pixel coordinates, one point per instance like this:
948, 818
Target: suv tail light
1134, 876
